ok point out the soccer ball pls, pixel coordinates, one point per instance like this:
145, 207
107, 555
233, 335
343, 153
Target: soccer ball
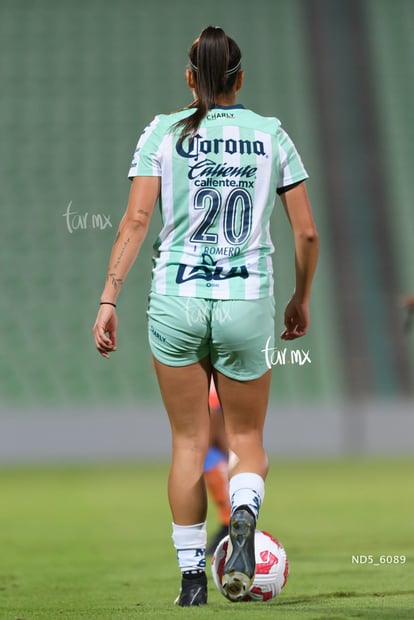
272, 567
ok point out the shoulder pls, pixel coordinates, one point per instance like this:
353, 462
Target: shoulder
273, 126
155, 131
267, 124
167, 121
162, 125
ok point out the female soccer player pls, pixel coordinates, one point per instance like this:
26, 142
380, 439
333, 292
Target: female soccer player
216, 167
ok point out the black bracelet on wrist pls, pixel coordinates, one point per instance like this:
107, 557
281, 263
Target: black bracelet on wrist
108, 303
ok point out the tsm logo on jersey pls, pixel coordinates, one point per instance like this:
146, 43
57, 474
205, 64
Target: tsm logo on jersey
196, 145
209, 271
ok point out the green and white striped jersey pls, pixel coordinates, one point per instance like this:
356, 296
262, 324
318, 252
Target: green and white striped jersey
218, 190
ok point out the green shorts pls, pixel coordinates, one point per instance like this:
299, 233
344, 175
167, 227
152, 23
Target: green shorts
234, 333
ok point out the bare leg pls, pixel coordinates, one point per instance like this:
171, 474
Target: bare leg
244, 408
217, 430
184, 390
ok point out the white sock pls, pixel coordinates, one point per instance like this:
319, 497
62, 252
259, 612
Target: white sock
247, 489
190, 543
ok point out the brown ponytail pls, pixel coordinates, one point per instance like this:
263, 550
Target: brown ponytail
215, 62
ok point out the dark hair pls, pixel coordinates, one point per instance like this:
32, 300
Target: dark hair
215, 62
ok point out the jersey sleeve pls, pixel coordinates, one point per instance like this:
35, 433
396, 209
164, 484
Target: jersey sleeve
146, 160
291, 169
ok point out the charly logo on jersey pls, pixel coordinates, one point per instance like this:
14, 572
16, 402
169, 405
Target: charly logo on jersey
209, 271
197, 145
213, 115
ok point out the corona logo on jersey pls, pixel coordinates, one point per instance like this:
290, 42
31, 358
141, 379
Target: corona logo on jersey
198, 145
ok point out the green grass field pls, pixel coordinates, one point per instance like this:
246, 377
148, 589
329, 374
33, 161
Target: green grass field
95, 542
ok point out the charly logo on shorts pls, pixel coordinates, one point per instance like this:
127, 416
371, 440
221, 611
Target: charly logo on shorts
285, 357
157, 334
200, 311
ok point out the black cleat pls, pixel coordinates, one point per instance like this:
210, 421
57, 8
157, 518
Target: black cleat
220, 534
239, 570
193, 590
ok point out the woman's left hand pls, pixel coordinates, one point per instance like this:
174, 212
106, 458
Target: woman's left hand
104, 330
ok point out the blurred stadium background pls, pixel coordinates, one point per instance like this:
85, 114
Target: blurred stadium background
79, 81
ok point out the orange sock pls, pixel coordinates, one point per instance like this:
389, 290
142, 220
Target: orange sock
218, 487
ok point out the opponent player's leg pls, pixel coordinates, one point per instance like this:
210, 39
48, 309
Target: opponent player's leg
217, 483
185, 394
216, 470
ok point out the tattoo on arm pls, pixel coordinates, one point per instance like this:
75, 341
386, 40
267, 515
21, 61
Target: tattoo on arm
118, 260
116, 282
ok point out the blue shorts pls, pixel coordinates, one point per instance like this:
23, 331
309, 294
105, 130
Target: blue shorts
234, 333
